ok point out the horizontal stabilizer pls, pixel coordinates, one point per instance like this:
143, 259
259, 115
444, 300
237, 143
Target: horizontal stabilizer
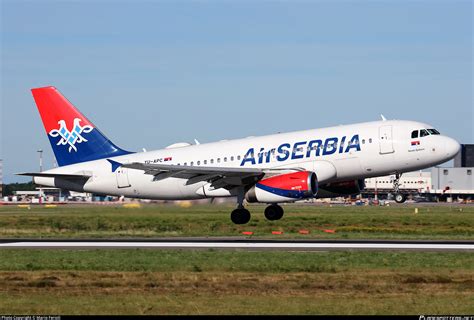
54, 175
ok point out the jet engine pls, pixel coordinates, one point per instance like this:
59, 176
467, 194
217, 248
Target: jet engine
284, 188
341, 188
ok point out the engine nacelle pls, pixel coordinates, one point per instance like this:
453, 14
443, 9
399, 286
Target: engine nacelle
284, 188
341, 188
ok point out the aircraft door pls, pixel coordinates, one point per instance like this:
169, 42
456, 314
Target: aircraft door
122, 178
385, 140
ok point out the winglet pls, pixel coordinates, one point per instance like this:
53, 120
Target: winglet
383, 118
115, 164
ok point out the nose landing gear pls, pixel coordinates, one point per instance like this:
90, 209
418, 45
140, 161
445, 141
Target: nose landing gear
399, 197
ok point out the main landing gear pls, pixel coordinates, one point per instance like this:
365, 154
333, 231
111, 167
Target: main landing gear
399, 197
274, 212
242, 215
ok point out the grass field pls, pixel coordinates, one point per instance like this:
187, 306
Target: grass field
233, 282
351, 222
141, 281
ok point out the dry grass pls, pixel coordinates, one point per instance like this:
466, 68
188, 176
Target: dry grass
378, 291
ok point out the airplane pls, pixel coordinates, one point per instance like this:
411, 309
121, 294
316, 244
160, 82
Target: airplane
271, 169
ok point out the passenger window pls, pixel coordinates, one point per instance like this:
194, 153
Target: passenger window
199, 162
212, 160
363, 141
414, 134
232, 158
192, 163
218, 160
370, 140
424, 133
225, 159
238, 157
205, 161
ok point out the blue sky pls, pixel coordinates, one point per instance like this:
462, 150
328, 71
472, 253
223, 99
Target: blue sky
152, 73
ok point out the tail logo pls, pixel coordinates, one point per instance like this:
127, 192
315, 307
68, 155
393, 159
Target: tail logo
70, 137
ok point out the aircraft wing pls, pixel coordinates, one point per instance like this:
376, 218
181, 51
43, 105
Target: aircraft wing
219, 177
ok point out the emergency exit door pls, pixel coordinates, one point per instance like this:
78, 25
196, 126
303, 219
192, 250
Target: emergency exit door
385, 139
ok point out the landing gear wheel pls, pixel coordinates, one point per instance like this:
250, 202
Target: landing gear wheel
400, 198
240, 216
274, 212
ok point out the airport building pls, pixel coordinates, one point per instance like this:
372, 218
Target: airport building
457, 181
465, 158
437, 184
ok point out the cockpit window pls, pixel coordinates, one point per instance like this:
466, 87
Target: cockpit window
433, 131
424, 133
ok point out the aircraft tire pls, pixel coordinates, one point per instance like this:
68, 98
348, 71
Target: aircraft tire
240, 216
400, 198
274, 212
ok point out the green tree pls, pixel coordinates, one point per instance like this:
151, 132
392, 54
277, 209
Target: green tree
8, 189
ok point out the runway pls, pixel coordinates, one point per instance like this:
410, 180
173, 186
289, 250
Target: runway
240, 244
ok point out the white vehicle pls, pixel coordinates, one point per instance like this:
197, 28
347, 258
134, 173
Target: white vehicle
276, 168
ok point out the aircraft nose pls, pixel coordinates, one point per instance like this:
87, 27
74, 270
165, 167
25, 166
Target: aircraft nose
451, 147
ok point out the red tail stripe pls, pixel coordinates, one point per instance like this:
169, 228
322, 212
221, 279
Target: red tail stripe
53, 106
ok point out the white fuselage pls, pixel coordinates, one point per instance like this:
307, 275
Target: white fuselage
382, 147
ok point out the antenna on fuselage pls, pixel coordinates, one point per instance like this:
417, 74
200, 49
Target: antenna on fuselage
383, 118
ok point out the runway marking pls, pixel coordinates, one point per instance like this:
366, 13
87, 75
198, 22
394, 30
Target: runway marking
241, 245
